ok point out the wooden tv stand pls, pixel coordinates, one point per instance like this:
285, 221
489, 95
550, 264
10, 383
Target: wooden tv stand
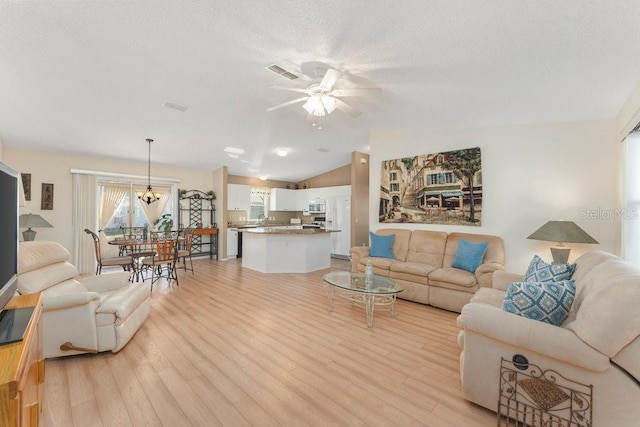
22, 370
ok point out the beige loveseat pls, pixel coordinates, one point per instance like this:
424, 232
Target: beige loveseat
422, 266
598, 344
80, 315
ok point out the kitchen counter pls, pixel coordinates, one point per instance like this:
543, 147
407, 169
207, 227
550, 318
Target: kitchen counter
282, 250
278, 230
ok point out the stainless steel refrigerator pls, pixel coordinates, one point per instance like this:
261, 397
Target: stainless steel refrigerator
338, 217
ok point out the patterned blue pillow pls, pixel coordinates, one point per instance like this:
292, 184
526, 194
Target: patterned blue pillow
540, 271
548, 302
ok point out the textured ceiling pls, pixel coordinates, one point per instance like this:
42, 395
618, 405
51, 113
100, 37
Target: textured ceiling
90, 76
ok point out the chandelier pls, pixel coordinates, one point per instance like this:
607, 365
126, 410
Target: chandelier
148, 196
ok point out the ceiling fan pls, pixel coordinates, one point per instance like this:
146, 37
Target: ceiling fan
322, 99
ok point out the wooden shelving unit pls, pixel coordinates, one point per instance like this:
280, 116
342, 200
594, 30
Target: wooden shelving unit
197, 210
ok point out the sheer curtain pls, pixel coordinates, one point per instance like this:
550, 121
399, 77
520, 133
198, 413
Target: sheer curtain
154, 210
112, 196
631, 219
84, 215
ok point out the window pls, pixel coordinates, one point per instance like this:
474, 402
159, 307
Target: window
393, 176
258, 203
395, 187
120, 207
442, 178
630, 218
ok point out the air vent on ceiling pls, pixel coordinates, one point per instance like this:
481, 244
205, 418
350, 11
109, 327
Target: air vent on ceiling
174, 105
281, 71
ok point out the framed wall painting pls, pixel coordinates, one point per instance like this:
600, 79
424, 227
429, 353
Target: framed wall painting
46, 202
26, 185
438, 188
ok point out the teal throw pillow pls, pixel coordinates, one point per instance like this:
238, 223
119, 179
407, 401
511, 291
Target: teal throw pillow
548, 302
469, 255
382, 246
540, 271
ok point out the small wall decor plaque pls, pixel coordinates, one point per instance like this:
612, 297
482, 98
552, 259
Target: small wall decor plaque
46, 202
26, 185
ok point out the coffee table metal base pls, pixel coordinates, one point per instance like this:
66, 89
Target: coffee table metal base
368, 301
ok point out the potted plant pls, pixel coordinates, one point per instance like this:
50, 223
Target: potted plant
164, 223
211, 194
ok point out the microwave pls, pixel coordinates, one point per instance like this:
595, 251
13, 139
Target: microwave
316, 206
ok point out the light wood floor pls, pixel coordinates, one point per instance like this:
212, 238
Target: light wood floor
235, 347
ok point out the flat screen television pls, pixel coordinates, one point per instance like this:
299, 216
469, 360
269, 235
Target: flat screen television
8, 233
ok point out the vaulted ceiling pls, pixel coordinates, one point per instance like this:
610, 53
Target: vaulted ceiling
91, 76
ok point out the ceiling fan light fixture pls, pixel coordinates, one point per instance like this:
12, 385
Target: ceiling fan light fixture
282, 152
328, 102
320, 104
314, 106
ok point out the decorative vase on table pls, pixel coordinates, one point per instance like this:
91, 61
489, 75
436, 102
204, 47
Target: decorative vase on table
368, 273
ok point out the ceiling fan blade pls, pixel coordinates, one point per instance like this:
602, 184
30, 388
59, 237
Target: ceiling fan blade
347, 108
356, 91
284, 104
330, 78
293, 89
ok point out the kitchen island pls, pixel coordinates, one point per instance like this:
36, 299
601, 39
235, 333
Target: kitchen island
275, 250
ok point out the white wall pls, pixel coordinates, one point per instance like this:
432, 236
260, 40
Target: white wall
54, 167
531, 174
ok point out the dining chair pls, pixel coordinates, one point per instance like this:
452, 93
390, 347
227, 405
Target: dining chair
132, 233
184, 251
154, 236
163, 263
126, 262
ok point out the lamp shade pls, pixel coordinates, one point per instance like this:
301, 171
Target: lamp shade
33, 220
562, 232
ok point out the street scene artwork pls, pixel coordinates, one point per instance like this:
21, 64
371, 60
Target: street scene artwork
440, 188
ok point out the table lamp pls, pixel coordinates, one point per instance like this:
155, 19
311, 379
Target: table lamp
32, 220
561, 232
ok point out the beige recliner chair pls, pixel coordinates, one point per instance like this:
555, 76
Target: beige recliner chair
597, 345
80, 315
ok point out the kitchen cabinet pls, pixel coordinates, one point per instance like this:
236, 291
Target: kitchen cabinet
232, 243
282, 199
302, 200
318, 193
238, 197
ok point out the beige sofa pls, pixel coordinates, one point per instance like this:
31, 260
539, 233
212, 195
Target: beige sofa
598, 344
422, 266
80, 315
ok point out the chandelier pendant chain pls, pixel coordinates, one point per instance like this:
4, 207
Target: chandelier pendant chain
149, 166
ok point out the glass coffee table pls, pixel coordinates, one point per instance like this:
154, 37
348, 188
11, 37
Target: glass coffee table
353, 287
